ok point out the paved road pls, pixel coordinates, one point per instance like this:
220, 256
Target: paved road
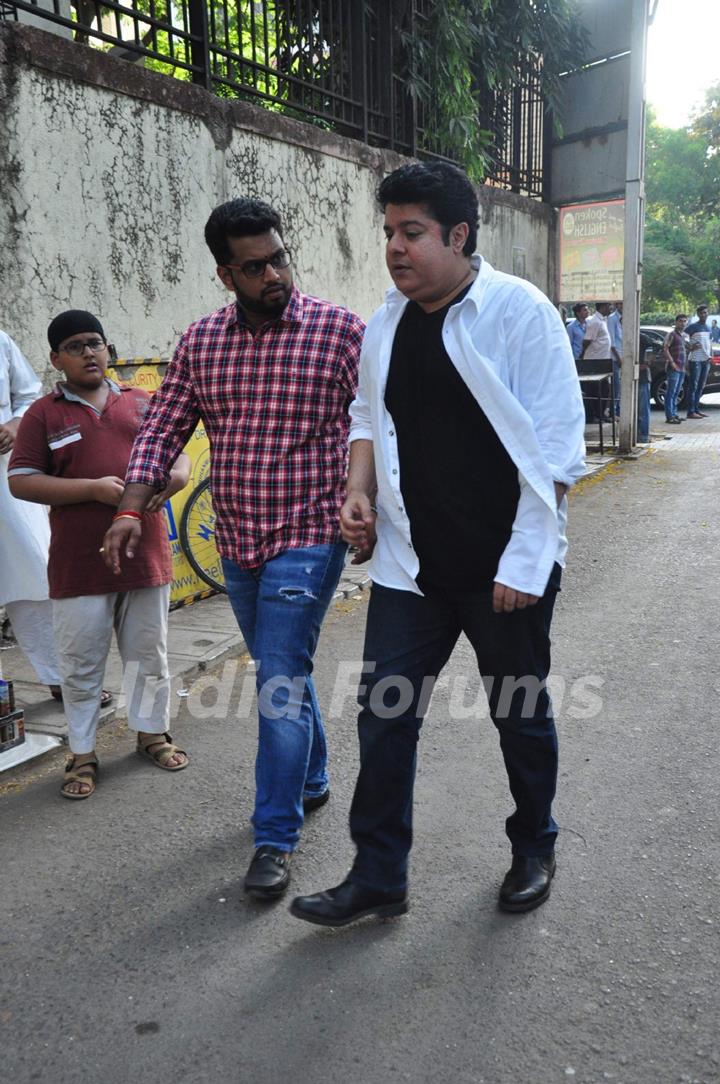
128, 953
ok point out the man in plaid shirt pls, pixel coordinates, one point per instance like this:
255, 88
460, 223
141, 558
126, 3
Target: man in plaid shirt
272, 376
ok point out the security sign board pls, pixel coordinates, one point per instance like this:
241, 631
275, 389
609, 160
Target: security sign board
592, 247
148, 373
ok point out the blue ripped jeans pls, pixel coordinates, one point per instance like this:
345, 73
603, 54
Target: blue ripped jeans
279, 608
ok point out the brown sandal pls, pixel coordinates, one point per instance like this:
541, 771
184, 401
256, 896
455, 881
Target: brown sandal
106, 698
85, 773
162, 755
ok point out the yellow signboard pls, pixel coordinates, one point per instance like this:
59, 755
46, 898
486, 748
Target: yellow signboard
147, 373
592, 250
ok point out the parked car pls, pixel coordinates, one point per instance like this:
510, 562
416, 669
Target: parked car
652, 337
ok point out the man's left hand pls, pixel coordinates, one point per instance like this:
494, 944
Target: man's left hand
506, 599
8, 432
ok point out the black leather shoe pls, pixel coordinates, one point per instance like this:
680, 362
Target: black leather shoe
268, 874
527, 883
314, 802
342, 905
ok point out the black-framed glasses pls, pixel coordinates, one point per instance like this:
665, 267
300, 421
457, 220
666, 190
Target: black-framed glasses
76, 347
253, 269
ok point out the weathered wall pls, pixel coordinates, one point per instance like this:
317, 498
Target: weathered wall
109, 173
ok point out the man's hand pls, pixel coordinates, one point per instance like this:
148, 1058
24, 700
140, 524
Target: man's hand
179, 478
357, 526
155, 504
108, 490
507, 599
8, 432
122, 538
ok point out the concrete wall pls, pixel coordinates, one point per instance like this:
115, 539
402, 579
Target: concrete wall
109, 173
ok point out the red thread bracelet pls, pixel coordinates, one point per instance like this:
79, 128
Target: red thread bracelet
127, 515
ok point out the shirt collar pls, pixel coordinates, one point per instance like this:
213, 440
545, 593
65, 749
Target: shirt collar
61, 391
394, 297
292, 313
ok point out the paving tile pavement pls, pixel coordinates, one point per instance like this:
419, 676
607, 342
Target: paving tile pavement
199, 636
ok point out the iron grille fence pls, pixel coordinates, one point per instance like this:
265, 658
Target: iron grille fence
340, 64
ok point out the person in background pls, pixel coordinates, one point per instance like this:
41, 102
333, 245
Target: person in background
576, 328
24, 529
597, 347
614, 324
675, 359
643, 406
71, 451
272, 375
714, 332
699, 352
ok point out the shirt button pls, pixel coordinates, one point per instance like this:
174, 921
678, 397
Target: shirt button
394, 470
391, 433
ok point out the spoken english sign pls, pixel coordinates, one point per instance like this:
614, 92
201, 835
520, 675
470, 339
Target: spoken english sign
592, 244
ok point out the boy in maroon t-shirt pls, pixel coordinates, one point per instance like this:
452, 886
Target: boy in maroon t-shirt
71, 452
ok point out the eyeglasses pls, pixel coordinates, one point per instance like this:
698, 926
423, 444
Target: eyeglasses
253, 269
76, 347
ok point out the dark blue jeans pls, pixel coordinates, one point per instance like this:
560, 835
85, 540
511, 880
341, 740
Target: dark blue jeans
616, 386
408, 640
697, 376
279, 608
643, 421
674, 384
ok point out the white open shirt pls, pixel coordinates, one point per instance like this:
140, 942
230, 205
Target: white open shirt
509, 345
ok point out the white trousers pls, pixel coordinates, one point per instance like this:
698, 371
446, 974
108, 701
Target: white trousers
32, 623
83, 632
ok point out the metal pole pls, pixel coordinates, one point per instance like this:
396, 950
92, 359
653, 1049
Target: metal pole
359, 54
634, 215
200, 45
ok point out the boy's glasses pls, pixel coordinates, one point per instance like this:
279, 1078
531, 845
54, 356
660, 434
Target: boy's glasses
76, 347
253, 269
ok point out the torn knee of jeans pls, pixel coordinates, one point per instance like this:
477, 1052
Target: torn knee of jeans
291, 593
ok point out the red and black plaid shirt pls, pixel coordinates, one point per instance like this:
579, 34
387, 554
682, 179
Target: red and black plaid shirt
275, 409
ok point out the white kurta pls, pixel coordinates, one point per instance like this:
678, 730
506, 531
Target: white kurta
24, 527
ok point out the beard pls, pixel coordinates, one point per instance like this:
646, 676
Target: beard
275, 305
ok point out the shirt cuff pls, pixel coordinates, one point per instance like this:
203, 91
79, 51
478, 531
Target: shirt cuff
570, 475
158, 479
24, 470
360, 432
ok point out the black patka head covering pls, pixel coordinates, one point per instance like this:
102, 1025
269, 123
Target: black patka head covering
72, 322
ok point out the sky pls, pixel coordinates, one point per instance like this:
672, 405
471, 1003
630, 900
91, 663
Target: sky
683, 58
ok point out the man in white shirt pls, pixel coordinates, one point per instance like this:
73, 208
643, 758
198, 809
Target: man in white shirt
699, 352
597, 347
597, 344
24, 529
466, 432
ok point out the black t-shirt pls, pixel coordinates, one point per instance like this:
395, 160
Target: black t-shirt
459, 485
